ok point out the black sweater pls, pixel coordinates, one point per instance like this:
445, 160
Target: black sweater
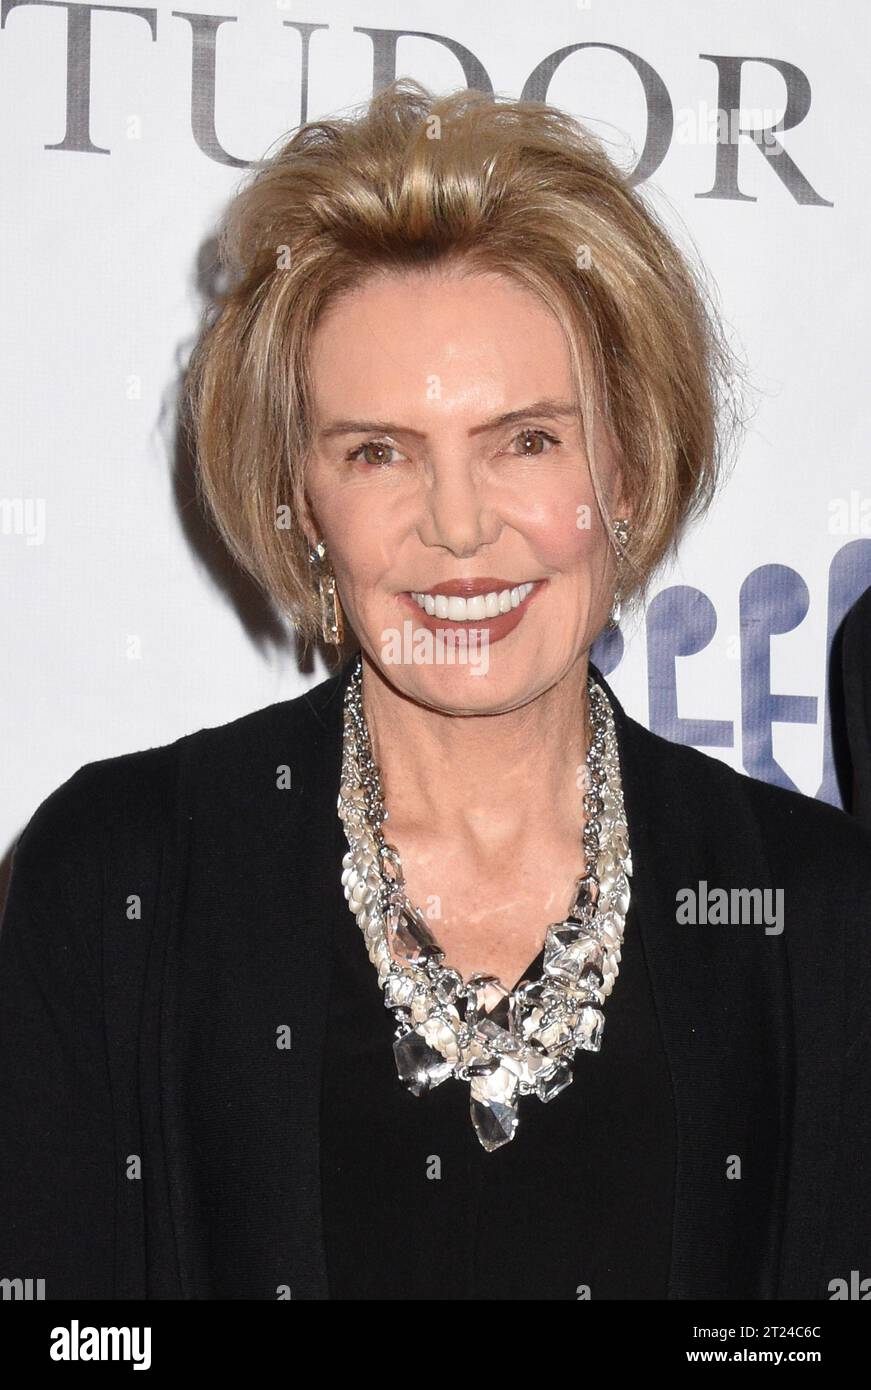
579, 1204
173, 912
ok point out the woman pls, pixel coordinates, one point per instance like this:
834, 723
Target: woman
461, 397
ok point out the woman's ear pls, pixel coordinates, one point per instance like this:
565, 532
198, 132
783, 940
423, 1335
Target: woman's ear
620, 507
307, 522
624, 506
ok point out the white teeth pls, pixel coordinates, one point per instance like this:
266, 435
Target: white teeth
469, 610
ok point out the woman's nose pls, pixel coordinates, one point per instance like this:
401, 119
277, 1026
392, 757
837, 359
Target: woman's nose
459, 514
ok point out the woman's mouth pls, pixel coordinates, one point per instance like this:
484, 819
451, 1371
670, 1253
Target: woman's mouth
477, 606
492, 605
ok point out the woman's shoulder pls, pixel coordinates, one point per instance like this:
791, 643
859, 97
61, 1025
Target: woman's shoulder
666, 780
134, 797
713, 790
757, 834
817, 852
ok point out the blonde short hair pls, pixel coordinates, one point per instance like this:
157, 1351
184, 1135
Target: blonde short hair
479, 184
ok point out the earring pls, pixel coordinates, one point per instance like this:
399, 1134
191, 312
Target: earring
620, 532
332, 624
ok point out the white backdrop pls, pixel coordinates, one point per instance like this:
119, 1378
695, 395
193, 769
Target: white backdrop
122, 628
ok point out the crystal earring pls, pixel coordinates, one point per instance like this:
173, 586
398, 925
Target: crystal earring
332, 624
620, 532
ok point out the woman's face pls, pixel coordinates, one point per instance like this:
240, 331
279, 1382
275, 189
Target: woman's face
447, 464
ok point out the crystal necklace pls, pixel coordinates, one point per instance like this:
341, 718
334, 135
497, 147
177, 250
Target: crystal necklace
504, 1043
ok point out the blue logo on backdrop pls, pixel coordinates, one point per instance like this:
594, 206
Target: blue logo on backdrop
774, 600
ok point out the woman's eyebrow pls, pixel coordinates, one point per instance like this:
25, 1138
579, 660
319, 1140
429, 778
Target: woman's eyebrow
543, 409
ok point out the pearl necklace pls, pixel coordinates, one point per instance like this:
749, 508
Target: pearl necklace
505, 1043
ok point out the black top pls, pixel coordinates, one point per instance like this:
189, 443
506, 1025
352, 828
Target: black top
173, 920
579, 1203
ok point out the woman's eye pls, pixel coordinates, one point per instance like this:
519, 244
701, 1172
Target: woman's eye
376, 452
534, 437
376, 446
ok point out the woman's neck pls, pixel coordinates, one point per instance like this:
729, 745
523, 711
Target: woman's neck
498, 779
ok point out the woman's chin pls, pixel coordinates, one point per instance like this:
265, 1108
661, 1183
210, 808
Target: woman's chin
492, 685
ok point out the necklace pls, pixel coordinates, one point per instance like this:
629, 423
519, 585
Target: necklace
504, 1043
